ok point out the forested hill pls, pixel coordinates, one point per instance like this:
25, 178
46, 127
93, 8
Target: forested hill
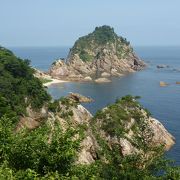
91, 45
18, 87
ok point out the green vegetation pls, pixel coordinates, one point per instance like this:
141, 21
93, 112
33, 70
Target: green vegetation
18, 87
51, 152
43, 155
112, 121
101, 37
27, 155
85, 56
104, 34
43, 80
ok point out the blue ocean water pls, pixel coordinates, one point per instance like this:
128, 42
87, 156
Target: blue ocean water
41, 57
162, 102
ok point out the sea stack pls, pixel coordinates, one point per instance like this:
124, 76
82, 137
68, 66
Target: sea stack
100, 52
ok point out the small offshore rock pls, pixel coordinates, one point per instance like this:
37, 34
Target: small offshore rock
163, 84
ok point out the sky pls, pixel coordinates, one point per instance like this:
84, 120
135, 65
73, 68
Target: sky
62, 22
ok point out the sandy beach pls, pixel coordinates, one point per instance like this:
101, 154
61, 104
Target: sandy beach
54, 81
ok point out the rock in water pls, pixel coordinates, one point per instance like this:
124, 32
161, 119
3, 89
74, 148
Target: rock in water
163, 84
98, 52
80, 98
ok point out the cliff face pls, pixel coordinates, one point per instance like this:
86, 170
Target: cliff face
124, 125
102, 51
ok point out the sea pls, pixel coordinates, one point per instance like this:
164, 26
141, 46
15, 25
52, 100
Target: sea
162, 102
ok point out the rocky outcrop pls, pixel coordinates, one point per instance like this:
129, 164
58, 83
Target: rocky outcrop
102, 80
33, 119
101, 53
80, 98
163, 84
87, 78
128, 126
41, 75
105, 74
124, 124
161, 135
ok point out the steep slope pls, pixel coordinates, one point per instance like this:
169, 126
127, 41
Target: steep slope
19, 88
125, 125
100, 52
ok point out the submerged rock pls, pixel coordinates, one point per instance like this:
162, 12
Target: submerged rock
162, 66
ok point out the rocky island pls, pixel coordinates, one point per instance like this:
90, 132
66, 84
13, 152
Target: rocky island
100, 54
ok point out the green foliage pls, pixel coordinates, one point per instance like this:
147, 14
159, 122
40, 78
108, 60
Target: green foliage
18, 87
115, 116
54, 106
38, 152
50, 153
101, 37
112, 121
85, 56
44, 154
104, 34
68, 102
45, 80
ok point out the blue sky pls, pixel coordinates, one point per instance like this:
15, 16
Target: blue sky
61, 22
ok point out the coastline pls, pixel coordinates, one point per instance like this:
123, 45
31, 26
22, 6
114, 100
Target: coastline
54, 81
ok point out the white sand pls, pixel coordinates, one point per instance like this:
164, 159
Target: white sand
54, 81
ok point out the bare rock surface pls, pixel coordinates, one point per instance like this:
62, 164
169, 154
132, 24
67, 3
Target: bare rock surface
161, 135
102, 80
80, 98
87, 78
105, 74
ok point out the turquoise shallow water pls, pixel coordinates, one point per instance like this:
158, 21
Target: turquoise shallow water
163, 102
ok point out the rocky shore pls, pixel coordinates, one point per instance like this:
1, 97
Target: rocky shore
131, 132
46, 79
